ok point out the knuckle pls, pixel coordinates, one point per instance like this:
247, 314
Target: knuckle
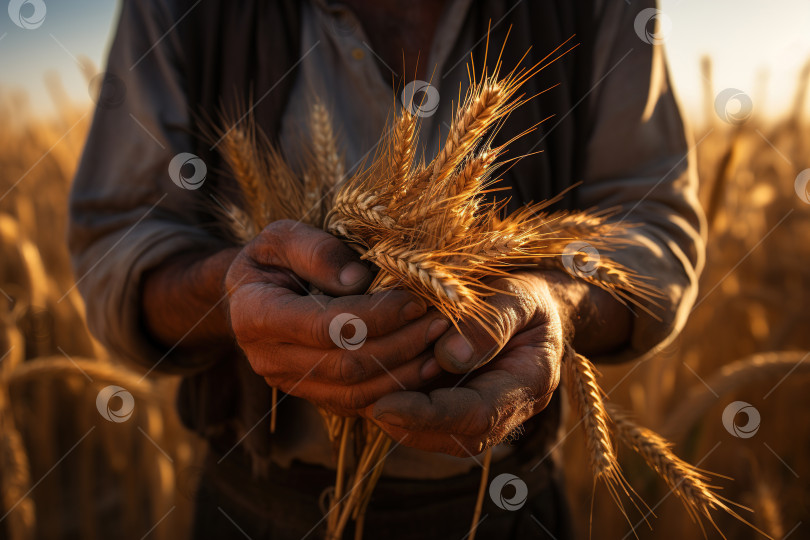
354, 398
267, 248
275, 233
243, 323
508, 284
239, 322
262, 366
324, 253
236, 273
319, 331
517, 305
279, 228
352, 369
545, 376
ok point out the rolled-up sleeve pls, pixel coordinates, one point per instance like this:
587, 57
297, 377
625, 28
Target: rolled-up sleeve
640, 159
126, 214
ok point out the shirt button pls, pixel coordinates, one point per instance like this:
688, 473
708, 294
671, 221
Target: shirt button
358, 53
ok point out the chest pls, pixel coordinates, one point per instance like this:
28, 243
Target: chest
401, 34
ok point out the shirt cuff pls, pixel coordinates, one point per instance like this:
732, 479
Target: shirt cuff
110, 277
668, 269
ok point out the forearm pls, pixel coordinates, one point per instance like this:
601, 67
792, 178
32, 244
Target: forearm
184, 302
593, 320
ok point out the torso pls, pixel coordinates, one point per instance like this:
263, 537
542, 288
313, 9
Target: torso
396, 28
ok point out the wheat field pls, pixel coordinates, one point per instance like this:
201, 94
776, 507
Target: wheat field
66, 472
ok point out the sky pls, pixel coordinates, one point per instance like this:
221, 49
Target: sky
745, 38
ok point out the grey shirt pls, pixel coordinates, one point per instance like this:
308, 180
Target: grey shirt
123, 224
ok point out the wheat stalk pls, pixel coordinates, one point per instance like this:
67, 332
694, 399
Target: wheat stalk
485, 106
242, 156
587, 399
690, 484
328, 162
327, 167
402, 148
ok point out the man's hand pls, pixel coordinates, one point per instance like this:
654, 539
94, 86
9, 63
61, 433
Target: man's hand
509, 389
285, 332
506, 382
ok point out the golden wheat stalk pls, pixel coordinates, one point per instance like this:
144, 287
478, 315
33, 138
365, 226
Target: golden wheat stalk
690, 484
588, 400
486, 105
402, 149
328, 162
326, 166
242, 156
16, 477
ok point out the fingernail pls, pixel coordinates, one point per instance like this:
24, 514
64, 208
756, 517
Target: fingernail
413, 310
436, 329
352, 274
389, 418
430, 369
459, 349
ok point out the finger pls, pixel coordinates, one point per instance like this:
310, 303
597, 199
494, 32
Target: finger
476, 344
351, 367
274, 312
357, 398
376, 314
461, 411
486, 402
460, 422
351, 399
385, 354
312, 254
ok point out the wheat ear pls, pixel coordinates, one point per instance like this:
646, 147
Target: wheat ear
328, 161
689, 483
587, 399
476, 117
240, 153
402, 148
419, 270
328, 164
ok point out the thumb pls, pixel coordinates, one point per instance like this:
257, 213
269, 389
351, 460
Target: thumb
313, 255
478, 343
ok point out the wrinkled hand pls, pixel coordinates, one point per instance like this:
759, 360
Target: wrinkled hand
506, 383
285, 332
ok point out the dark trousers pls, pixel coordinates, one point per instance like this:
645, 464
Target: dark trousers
230, 503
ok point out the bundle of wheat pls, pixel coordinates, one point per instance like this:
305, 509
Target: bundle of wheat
428, 228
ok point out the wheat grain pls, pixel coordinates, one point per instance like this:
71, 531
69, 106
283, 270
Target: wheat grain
365, 210
419, 270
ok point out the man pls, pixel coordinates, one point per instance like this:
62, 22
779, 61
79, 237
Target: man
164, 290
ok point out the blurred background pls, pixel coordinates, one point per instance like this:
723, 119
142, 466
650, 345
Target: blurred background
741, 69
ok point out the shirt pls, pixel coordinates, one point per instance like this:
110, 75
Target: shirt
638, 160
